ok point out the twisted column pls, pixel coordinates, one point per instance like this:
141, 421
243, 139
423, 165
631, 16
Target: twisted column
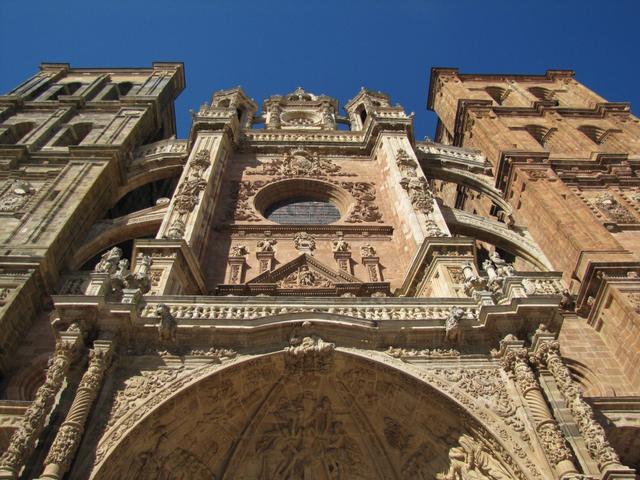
548, 354
68, 438
23, 440
515, 360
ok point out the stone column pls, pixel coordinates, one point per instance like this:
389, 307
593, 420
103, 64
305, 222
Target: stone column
515, 360
23, 440
69, 435
547, 353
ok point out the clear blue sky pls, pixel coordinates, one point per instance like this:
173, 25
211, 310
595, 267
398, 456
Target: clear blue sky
330, 46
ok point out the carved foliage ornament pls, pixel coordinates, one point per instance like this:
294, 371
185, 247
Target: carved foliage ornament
187, 196
595, 438
300, 163
417, 189
365, 209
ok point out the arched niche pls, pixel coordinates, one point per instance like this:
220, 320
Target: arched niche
351, 416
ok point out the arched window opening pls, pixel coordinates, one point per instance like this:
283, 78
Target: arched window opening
12, 134
143, 197
598, 135
541, 134
239, 113
362, 113
498, 94
543, 94
73, 135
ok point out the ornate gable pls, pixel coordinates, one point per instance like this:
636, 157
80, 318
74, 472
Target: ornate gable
306, 275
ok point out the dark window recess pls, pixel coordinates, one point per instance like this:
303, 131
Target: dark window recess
305, 211
143, 197
363, 115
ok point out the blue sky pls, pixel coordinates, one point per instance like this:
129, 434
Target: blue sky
331, 47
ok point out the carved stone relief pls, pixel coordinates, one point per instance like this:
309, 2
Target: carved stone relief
300, 163
415, 185
613, 210
16, 196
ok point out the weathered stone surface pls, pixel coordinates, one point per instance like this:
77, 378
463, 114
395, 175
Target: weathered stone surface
304, 301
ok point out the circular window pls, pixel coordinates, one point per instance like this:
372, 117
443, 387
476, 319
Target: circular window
302, 201
307, 211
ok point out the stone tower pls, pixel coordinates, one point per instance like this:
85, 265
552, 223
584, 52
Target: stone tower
295, 292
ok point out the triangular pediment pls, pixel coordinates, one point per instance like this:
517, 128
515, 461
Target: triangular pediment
305, 275
304, 271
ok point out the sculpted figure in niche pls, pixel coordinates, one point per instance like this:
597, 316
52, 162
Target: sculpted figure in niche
472, 461
266, 245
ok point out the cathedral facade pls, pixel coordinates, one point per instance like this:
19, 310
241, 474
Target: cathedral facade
299, 291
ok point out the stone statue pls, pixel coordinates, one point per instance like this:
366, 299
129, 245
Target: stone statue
367, 250
306, 277
266, 245
472, 461
340, 245
452, 325
168, 326
109, 261
142, 277
238, 251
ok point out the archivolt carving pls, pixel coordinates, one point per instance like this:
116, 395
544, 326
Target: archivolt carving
473, 461
312, 426
488, 385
